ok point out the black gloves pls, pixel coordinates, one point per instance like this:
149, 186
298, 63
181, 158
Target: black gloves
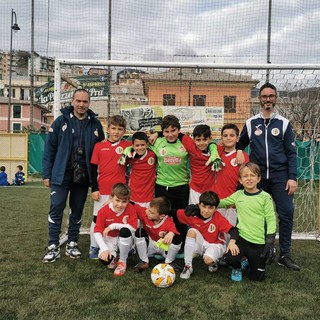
192, 210
269, 251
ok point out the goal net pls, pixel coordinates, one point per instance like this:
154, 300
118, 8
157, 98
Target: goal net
215, 94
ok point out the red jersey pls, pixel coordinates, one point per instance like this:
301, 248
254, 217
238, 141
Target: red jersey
142, 177
202, 177
106, 217
155, 231
106, 155
212, 229
227, 179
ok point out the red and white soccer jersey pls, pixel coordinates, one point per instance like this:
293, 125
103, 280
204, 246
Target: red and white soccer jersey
202, 177
106, 217
212, 229
227, 179
158, 231
142, 177
106, 155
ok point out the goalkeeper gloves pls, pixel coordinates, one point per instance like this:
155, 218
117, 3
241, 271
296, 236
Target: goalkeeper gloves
214, 158
126, 153
269, 251
192, 210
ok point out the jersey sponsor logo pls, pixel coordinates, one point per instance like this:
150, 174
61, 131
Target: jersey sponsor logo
172, 160
233, 162
211, 228
275, 132
119, 150
151, 161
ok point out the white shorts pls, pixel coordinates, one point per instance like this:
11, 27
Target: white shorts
97, 205
113, 244
194, 196
213, 250
153, 249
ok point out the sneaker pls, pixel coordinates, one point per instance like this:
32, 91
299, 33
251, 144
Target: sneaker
93, 253
187, 271
244, 264
53, 253
213, 267
288, 262
236, 274
113, 264
120, 269
175, 266
72, 250
141, 266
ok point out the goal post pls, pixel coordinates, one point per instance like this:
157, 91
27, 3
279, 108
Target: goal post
144, 91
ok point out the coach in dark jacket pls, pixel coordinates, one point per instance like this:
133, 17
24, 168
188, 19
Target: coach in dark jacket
66, 169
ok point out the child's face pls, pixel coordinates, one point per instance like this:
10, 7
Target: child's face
206, 211
229, 138
202, 142
119, 204
249, 180
153, 214
115, 132
171, 133
140, 146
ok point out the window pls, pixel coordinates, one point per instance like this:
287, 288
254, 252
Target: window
230, 104
16, 127
16, 112
199, 101
13, 93
169, 100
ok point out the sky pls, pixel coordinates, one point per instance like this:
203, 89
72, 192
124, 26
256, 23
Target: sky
233, 31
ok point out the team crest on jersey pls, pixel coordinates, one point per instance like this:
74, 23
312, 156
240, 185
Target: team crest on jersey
275, 132
119, 150
182, 149
151, 161
64, 127
125, 219
211, 228
96, 133
163, 152
162, 234
258, 132
233, 162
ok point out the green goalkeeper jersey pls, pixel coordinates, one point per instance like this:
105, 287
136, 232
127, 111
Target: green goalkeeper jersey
172, 160
256, 215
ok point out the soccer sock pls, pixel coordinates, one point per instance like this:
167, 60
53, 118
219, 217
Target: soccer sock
172, 252
142, 249
124, 248
93, 242
188, 250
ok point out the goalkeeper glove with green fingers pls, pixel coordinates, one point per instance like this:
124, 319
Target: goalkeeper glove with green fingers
214, 158
126, 153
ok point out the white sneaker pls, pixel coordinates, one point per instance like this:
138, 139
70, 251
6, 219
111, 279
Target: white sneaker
53, 253
186, 272
72, 250
213, 267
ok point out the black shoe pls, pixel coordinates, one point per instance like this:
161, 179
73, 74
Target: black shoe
175, 266
289, 263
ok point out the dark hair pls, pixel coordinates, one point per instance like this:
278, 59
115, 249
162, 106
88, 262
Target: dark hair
140, 135
170, 120
2, 168
268, 85
209, 198
80, 90
254, 168
162, 204
230, 126
20, 167
202, 130
121, 190
117, 120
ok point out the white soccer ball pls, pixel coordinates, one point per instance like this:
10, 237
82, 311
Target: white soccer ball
163, 275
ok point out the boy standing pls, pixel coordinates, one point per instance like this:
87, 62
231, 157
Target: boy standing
256, 225
113, 232
106, 171
158, 234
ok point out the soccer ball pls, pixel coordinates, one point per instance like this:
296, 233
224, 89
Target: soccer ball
163, 275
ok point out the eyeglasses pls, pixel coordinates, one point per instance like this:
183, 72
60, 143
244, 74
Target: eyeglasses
270, 96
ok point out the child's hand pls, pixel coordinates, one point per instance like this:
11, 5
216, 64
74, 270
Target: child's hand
95, 195
152, 138
126, 153
105, 232
105, 255
161, 245
233, 248
168, 238
217, 165
240, 159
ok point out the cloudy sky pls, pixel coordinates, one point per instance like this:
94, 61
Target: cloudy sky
166, 30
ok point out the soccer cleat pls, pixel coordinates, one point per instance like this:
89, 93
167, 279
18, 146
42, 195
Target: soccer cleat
72, 250
93, 253
120, 269
236, 274
175, 266
187, 271
288, 262
53, 253
213, 267
244, 264
113, 264
140, 267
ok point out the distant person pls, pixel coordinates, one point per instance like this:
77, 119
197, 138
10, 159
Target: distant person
67, 170
3, 177
19, 178
272, 147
